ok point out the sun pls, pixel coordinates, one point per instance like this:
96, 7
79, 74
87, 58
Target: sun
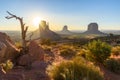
36, 21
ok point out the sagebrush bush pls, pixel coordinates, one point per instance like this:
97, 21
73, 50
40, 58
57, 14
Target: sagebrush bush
7, 65
98, 51
77, 69
67, 53
18, 45
82, 53
116, 50
45, 42
113, 65
46, 48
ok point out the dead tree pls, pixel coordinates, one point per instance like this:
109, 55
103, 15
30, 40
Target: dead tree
30, 37
23, 29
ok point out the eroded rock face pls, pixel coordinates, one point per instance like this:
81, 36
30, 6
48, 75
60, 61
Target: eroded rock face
65, 31
36, 53
46, 33
93, 29
65, 28
25, 60
43, 33
7, 48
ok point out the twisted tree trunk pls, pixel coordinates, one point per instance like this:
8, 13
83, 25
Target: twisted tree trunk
23, 29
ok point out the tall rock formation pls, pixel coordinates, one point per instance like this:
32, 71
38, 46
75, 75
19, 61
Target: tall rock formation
46, 33
65, 31
93, 29
43, 32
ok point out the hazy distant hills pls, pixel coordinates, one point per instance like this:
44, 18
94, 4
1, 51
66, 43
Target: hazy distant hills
45, 32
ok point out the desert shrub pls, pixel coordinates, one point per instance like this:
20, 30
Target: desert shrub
67, 53
98, 51
113, 65
7, 65
45, 42
116, 50
82, 52
18, 45
77, 69
46, 48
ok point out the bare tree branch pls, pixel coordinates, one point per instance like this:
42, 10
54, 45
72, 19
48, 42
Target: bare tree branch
31, 35
12, 16
26, 29
23, 29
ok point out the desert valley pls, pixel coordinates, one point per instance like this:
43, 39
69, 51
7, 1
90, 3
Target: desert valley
49, 51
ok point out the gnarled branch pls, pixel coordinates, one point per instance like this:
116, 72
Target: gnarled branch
23, 28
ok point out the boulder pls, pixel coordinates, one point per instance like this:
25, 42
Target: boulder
40, 65
24, 60
36, 53
8, 49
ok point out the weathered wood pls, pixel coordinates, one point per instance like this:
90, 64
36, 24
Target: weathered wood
23, 29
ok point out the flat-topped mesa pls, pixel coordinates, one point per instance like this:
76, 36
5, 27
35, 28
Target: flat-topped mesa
93, 29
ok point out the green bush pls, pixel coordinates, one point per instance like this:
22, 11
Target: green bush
18, 45
67, 53
116, 51
113, 65
45, 42
7, 65
98, 51
77, 69
82, 53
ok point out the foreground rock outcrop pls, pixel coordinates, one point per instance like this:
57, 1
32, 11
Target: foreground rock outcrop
37, 72
8, 49
35, 53
93, 29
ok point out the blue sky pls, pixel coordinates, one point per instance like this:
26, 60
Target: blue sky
77, 14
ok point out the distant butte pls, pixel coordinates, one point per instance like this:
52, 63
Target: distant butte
65, 31
93, 29
44, 32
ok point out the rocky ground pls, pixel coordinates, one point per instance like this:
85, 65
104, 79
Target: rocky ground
38, 69
38, 58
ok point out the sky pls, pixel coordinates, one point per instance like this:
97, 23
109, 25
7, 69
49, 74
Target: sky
76, 14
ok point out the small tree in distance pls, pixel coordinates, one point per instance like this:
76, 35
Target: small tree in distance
23, 29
